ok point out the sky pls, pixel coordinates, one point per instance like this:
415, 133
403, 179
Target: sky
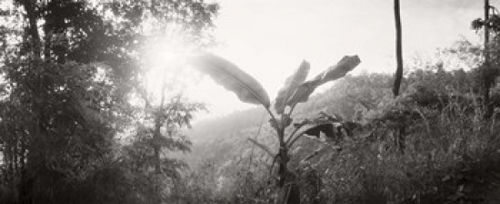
269, 38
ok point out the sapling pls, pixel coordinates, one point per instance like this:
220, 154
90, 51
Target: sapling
296, 90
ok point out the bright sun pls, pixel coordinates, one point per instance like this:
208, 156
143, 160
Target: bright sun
165, 64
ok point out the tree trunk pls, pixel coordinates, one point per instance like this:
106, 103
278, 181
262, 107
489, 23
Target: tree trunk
157, 146
158, 123
487, 78
486, 30
29, 6
26, 187
399, 50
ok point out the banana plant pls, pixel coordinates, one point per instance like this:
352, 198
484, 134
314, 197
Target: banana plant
296, 90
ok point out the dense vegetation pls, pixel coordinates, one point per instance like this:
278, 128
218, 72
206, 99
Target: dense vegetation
78, 123
432, 144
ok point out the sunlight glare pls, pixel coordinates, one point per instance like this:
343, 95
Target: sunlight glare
165, 64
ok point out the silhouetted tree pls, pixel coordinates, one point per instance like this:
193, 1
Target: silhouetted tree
68, 70
399, 49
489, 69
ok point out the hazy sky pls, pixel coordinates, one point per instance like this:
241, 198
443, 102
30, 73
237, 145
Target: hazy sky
269, 38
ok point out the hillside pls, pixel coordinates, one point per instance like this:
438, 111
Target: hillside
445, 154
221, 137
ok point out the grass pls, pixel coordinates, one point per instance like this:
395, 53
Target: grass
449, 154
445, 152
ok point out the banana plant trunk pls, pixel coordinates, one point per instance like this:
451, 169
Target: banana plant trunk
283, 159
288, 189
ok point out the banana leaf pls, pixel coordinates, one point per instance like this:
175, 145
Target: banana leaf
290, 87
232, 78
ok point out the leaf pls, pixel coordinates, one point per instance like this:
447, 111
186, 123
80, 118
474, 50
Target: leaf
324, 124
290, 86
303, 92
326, 129
262, 146
232, 78
346, 64
319, 152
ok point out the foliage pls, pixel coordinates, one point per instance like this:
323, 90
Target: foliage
291, 84
250, 91
233, 79
445, 153
78, 124
69, 71
489, 69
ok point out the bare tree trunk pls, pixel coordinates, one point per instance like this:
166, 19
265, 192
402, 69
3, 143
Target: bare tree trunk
486, 78
399, 50
486, 30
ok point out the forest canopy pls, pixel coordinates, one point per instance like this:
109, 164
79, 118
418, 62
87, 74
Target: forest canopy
73, 84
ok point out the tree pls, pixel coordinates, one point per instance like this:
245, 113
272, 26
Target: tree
63, 130
399, 49
67, 89
484, 72
489, 69
163, 115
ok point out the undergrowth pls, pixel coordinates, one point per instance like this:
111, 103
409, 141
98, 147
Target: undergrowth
428, 146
